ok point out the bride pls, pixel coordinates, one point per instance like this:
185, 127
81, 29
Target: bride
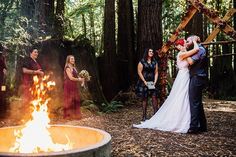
174, 114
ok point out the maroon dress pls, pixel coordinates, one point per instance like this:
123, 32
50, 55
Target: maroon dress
27, 79
71, 96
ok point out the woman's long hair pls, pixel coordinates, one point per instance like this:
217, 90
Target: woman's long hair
68, 61
145, 55
67, 64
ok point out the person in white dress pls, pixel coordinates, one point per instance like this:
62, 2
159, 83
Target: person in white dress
174, 114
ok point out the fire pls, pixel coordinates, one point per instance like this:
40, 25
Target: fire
35, 137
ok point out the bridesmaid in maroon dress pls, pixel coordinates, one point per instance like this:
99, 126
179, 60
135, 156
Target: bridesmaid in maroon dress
30, 68
71, 90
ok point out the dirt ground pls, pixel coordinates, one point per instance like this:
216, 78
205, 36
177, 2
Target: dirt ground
220, 140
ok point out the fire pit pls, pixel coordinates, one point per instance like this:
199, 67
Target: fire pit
86, 142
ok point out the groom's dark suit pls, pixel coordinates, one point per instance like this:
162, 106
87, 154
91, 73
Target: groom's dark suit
198, 80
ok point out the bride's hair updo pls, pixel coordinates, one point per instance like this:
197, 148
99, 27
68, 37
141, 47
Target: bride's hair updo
179, 42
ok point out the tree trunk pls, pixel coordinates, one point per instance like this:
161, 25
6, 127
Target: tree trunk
149, 25
28, 8
234, 44
41, 14
109, 64
125, 43
59, 19
4, 10
221, 74
150, 36
2, 24
195, 26
84, 25
49, 16
93, 35
28, 11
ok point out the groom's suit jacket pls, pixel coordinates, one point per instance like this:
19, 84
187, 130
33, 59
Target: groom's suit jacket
199, 67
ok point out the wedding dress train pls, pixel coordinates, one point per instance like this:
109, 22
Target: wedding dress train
174, 114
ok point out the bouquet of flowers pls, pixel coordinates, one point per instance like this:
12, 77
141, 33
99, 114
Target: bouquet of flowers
84, 74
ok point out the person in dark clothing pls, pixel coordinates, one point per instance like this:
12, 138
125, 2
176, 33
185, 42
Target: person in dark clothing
198, 80
148, 73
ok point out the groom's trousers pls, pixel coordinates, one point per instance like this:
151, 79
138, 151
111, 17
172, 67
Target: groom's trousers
198, 119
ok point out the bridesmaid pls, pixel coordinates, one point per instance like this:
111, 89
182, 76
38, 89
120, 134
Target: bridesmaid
71, 90
30, 68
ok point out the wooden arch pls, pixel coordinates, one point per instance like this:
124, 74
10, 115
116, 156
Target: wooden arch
221, 25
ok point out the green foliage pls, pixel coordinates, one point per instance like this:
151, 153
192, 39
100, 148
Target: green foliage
90, 105
172, 11
17, 33
85, 17
113, 106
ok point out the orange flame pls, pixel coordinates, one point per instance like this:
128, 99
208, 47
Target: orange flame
35, 137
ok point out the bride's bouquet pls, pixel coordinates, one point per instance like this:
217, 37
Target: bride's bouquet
84, 74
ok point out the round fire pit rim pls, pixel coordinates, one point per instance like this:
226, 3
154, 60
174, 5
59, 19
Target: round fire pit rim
106, 140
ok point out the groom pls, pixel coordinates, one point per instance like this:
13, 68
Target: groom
198, 80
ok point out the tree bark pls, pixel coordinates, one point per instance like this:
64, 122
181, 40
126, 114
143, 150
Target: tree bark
234, 4
108, 71
4, 10
149, 25
59, 19
49, 6
93, 35
125, 43
84, 25
195, 26
221, 74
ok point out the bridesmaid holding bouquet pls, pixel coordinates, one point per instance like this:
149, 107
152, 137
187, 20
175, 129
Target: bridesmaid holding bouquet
71, 90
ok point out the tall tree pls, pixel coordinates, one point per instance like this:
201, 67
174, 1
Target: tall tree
195, 25
4, 11
93, 35
150, 35
108, 73
59, 19
41, 17
149, 25
84, 25
125, 43
28, 11
234, 4
221, 74
49, 6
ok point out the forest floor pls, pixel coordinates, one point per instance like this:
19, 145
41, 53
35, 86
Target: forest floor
220, 140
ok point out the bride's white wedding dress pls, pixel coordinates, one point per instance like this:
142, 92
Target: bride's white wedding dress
174, 114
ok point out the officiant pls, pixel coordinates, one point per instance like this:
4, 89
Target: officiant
146, 85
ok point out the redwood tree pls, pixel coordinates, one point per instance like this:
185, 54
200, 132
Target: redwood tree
149, 25
234, 44
125, 43
150, 34
59, 19
108, 65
